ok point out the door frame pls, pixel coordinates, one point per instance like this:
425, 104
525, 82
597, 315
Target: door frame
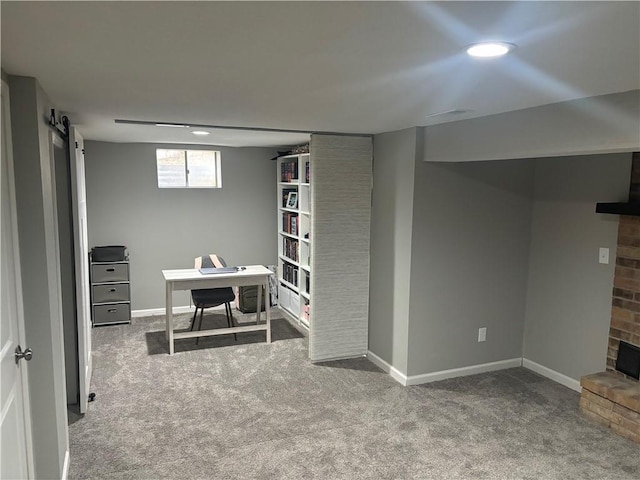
81, 253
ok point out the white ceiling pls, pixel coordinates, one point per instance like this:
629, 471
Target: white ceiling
350, 67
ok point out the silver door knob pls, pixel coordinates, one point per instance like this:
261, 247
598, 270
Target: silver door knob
27, 354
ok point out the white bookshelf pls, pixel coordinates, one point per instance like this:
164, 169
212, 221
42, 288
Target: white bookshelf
323, 280
294, 238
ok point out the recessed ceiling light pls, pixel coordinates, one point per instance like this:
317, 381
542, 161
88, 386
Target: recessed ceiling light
200, 132
490, 49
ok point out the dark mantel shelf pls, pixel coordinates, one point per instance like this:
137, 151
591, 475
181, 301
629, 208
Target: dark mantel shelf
632, 209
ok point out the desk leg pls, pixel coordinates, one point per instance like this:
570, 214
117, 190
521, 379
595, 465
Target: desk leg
267, 308
169, 316
259, 304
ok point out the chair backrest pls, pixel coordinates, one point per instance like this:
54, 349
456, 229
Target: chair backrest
209, 261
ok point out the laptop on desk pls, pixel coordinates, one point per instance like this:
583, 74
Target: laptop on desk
213, 271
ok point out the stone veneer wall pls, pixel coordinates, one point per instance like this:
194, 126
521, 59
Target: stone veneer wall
625, 310
613, 402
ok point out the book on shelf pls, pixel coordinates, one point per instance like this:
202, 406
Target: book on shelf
290, 248
289, 171
306, 172
289, 220
290, 274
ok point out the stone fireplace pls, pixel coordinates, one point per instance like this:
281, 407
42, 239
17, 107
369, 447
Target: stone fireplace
625, 305
612, 398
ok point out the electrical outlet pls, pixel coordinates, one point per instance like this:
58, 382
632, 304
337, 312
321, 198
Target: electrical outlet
482, 334
603, 255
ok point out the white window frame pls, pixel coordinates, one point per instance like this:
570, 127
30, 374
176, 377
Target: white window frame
217, 168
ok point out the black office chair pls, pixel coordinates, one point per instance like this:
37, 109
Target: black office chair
212, 297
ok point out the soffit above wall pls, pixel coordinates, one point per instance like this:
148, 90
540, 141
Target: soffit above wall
604, 124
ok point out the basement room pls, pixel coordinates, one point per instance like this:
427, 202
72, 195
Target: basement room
332, 240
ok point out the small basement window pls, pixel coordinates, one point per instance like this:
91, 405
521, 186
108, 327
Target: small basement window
188, 168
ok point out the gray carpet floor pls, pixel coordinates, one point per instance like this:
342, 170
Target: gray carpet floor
243, 409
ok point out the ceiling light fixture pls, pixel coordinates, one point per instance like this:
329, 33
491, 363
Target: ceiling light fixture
455, 111
490, 49
201, 133
173, 125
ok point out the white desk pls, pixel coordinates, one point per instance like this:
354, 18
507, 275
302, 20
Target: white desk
192, 279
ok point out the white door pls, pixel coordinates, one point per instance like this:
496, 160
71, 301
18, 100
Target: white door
81, 248
16, 460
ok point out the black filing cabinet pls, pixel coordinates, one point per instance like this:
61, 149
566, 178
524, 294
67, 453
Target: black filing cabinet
110, 293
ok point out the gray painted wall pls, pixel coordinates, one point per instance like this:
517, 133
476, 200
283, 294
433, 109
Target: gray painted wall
470, 245
391, 226
603, 124
569, 292
168, 228
39, 262
510, 245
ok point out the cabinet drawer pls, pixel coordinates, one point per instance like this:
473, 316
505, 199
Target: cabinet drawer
284, 297
115, 272
117, 292
113, 313
294, 304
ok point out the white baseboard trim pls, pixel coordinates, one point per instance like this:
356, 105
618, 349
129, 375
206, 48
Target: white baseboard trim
464, 371
396, 374
552, 375
377, 361
405, 380
65, 466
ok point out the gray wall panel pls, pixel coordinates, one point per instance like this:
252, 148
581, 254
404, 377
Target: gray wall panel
569, 292
341, 200
391, 226
471, 228
168, 228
